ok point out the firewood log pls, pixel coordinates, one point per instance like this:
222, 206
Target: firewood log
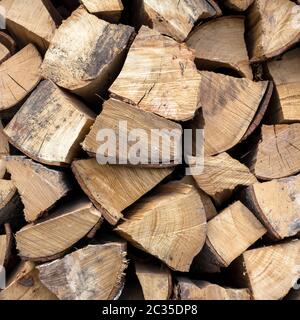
286, 75
238, 5
229, 234
156, 67
187, 289
220, 43
48, 117
277, 153
63, 228
271, 271
86, 62
115, 111
7, 46
19, 75
4, 145
276, 204
174, 18
155, 280
26, 285
161, 224
33, 21
273, 28
109, 10
221, 175
101, 266
114, 188
6, 242
49, 184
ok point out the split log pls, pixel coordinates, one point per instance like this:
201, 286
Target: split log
26, 285
33, 21
109, 10
276, 204
271, 271
160, 135
19, 75
49, 184
7, 46
229, 106
174, 18
92, 273
220, 43
86, 62
286, 75
155, 280
6, 242
161, 223
277, 153
114, 188
187, 289
221, 175
273, 28
48, 117
155, 68
65, 227
229, 234
238, 5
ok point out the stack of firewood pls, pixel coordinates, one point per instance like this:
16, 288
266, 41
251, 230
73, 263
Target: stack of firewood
73, 228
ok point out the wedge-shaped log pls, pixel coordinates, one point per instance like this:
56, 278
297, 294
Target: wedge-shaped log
271, 271
155, 280
160, 136
156, 67
276, 204
187, 289
47, 239
161, 224
277, 155
44, 188
50, 125
6, 241
229, 234
286, 75
101, 266
221, 175
19, 75
273, 28
33, 21
238, 5
109, 10
114, 188
229, 106
26, 285
7, 46
220, 43
86, 62
173, 18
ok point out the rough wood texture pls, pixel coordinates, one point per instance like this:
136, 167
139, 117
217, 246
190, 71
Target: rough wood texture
221, 175
229, 105
6, 242
33, 21
19, 75
113, 188
63, 228
115, 111
286, 75
238, 5
277, 153
220, 43
155, 68
4, 145
174, 18
25, 285
7, 46
272, 271
47, 117
39, 187
277, 204
92, 273
161, 223
109, 10
273, 28
229, 234
187, 289
155, 280
86, 62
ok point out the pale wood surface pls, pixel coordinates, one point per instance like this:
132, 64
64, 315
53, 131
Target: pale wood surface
238, 5
6, 241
